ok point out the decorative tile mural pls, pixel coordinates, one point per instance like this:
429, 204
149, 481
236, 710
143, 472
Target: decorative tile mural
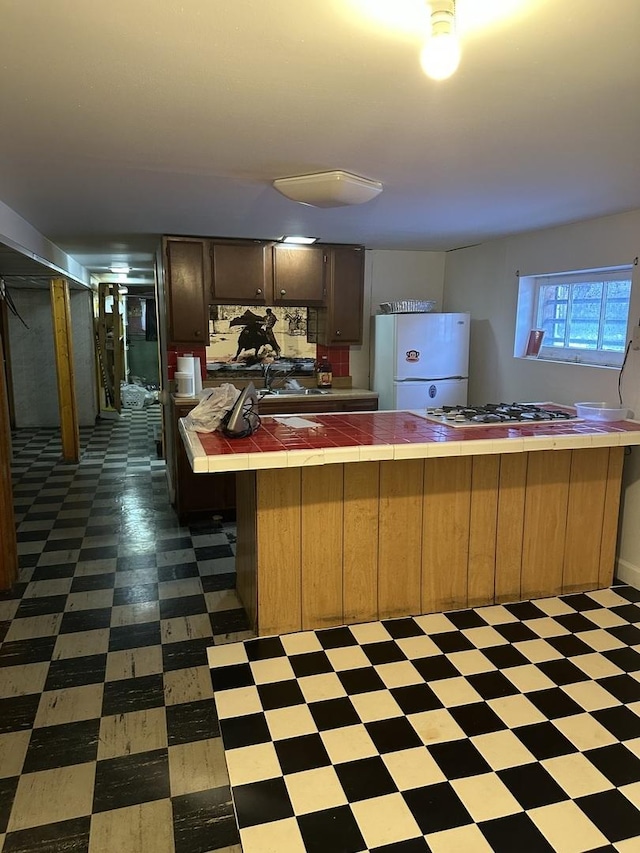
237, 332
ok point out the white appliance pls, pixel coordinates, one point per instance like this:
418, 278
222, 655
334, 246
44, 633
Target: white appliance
420, 360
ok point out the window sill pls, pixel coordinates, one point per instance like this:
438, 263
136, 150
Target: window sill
544, 360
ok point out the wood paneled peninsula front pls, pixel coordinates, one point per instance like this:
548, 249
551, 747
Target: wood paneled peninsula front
354, 517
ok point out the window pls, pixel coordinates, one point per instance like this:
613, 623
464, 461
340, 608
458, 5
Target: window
584, 314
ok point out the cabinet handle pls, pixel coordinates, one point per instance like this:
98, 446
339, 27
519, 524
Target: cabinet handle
197, 333
258, 292
283, 293
338, 333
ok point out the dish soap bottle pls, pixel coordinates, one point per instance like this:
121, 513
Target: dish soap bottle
324, 373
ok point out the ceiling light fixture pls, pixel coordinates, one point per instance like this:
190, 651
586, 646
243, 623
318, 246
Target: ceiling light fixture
328, 189
120, 268
303, 241
441, 54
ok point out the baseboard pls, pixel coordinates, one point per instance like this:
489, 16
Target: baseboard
628, 573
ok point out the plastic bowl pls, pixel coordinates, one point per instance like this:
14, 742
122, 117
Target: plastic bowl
601, 412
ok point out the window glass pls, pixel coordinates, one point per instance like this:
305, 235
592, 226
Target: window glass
583, 315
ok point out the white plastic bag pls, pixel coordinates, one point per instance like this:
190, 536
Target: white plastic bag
213, 406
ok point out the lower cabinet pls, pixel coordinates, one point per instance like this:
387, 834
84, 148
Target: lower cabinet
317, 405
216, 493
197, 493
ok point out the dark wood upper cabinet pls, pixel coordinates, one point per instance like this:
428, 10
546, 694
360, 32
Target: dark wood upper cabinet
346, 291
299, 275
187, 276
241, 272
328, 279
340, 322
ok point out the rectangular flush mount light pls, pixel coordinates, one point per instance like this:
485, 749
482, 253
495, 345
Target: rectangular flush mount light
301, 241
328, 189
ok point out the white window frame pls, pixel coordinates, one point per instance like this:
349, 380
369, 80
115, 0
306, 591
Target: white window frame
528, 313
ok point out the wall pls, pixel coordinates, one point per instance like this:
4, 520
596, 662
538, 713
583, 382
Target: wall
483, 280
392, 275
33, 367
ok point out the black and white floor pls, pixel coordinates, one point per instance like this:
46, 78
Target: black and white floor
109, 739
510, 728
125, 663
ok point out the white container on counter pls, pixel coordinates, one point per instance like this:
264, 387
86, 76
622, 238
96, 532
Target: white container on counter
601, 412
184, 384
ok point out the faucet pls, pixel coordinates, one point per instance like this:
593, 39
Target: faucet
269, 379
266, 373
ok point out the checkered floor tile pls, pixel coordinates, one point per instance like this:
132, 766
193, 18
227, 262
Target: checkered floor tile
504, 728
109, 739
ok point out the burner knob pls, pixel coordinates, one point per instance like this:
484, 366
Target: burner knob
460, 418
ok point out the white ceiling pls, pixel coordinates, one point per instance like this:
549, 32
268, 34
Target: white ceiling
123, 121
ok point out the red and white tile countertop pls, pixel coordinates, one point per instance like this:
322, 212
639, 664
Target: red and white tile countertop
293, 441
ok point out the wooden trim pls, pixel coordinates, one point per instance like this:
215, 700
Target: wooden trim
322, 544
360, 533
400, 537
583, 541
446, 520
63, 346
610, 517
118, 347
106, 377
510, 526
483, 522
545, 522
279, 536
9, 549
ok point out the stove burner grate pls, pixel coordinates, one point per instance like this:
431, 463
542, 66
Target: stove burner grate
498, 413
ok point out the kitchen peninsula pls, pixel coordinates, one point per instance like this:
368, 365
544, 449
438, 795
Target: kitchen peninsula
352, 517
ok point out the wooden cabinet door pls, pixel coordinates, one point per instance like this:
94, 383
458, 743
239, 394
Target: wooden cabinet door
346, 292
241, 272
316, 405
187, 268
299, 275
197, 493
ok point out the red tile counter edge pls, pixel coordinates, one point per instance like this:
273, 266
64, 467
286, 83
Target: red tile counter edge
318, 439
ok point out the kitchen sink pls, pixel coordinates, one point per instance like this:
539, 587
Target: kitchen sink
291, 392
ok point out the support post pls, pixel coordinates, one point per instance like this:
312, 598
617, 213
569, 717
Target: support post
63, 345
8, 546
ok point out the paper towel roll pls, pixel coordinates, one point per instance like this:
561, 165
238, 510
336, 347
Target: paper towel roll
197, 375
185, 364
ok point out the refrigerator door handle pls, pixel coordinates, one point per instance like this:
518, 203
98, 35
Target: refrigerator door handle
429, 378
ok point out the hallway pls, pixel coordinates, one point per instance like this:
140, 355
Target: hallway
109, 738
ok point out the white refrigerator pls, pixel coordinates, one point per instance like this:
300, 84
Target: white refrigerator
420, 360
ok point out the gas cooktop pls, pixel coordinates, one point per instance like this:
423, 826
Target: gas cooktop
496, 414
